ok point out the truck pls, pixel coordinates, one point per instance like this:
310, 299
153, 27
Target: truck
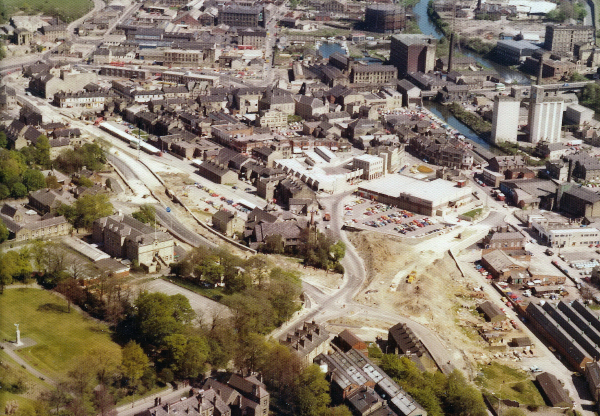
411, 276
327, 216
500, 196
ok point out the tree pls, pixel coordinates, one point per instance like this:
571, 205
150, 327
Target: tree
104, 363
3, 139
88, 208
463, 399
18, 190
33, 179
42, 151
250, 352
52, 182
281, 366
133, 362
56, 398
104, 402
194, 359
312, 392
108, 183
160, 315
4, 233
146, 213
209, 270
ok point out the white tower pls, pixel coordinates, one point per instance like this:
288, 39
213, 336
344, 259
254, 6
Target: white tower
545, 116
505, 119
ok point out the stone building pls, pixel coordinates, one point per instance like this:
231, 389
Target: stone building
307, 341
123, 236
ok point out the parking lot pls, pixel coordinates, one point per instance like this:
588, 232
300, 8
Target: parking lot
211, 200
368, 215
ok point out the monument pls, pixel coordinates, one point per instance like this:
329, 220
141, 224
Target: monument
19, 343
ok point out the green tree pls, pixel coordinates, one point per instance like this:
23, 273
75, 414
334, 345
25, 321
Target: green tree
338, 250
312, 392
174, 348
87, 209
146, 213
134, 362
4, 233
194, 359
33, 179
463, 399
18, 190
42, 151
3, 139
209, 270
160, 315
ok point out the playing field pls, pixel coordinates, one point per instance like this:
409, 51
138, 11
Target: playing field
62, 338
67, 10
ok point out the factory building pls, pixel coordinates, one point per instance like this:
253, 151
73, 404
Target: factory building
436, 197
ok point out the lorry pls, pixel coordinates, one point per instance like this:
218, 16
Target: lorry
500, 196
411, 276
327, 217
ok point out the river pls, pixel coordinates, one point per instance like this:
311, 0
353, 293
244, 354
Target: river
510, 75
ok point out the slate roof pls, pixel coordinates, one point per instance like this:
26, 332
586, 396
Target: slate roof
553, 390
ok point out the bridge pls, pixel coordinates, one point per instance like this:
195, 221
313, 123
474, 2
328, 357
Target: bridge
562, 87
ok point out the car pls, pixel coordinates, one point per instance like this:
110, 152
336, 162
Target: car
248, 189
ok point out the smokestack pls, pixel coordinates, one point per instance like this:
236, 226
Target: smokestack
451, 52
540, 70
570, 170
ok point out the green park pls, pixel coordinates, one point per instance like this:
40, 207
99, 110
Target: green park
61, 338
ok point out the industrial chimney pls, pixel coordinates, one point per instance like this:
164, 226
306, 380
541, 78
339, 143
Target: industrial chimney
540, 70
451, 52
570, 173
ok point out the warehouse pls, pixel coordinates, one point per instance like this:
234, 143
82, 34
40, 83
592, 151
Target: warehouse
436, 197
572, 329
553, 391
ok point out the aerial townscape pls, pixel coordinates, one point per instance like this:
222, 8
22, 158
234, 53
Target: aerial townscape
299, 208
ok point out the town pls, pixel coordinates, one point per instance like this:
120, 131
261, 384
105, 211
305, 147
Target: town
319, 207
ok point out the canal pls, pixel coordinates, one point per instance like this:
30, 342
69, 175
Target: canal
510, 75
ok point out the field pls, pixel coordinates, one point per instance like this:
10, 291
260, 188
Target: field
67, 10
12, 374
62, 338
509, 383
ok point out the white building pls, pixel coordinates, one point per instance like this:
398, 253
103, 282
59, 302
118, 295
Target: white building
436, 197
545, 116
371, 165
505, 119
565, 235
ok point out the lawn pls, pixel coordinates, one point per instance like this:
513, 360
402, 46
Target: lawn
62, 338
11, 372
67, 10
473, 213
509, 383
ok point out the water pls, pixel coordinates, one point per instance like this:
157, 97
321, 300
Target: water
327, 49
430, 29
444, 114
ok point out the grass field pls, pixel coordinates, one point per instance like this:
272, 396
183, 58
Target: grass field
11, 372
509, 383
62, 338
67, 10
473, 213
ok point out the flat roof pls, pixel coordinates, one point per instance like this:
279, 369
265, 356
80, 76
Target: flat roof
436, 192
